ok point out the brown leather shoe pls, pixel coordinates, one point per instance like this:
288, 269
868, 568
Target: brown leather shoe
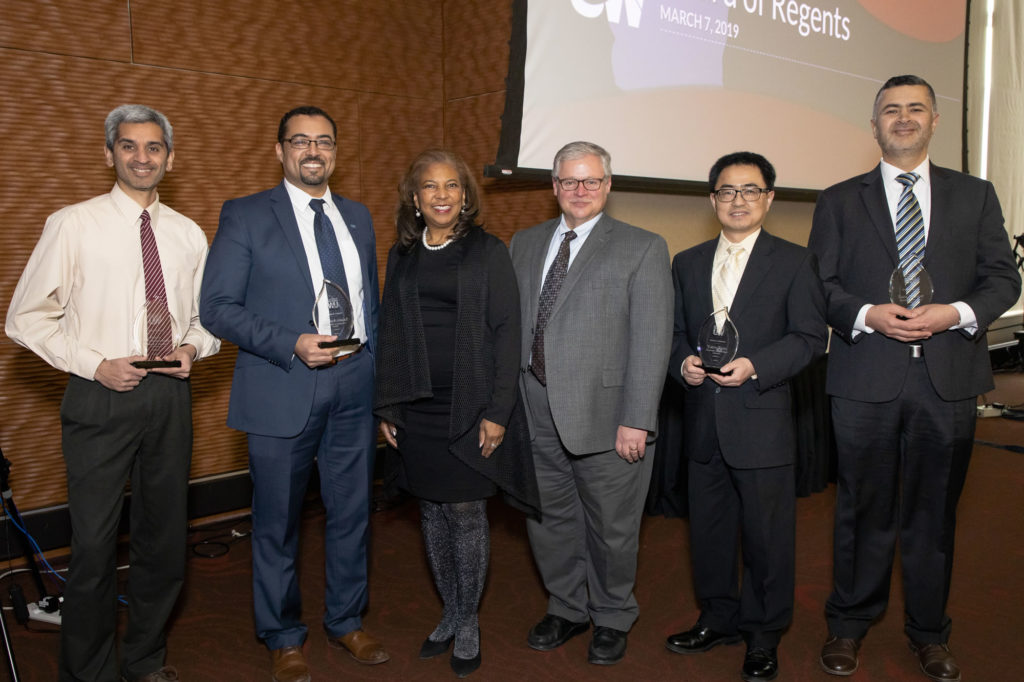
839, 655
361, 646
164, 674
936, 661
289, 665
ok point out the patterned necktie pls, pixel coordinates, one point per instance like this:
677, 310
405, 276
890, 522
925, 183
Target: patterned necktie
725, 282
548, 294
158, 317
910, 237
327, 247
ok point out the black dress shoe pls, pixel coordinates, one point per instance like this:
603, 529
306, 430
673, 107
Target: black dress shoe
553, 631
433, 648
607, 647
760, 664
698, 639
464, 666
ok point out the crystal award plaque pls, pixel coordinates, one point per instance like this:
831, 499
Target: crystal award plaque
140, 340
910, 285
337, 320
717, 341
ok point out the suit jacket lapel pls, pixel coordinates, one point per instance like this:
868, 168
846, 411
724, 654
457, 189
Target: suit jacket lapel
758, 265
939, 224
596, 243
535, 257
702, 275
873, 195
285, 214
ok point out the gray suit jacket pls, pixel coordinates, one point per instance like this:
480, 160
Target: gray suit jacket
607, 342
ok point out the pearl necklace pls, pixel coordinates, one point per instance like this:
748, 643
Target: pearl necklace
439, 246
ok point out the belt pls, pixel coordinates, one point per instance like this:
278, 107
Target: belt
916, 350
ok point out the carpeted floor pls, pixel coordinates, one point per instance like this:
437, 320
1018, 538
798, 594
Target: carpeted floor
212, 635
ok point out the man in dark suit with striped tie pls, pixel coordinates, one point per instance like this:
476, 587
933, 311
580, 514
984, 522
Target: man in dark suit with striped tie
904, 378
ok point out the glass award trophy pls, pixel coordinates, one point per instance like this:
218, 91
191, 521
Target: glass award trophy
717, 341
140, 340
337, 320
910, 284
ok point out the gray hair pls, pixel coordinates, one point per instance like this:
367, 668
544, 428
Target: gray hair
137, 113
579, 149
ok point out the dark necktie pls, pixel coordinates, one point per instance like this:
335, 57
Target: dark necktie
548, 294
910, 239
158, 317
327, 247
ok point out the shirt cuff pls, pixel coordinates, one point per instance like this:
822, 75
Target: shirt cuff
968, 320
859, 325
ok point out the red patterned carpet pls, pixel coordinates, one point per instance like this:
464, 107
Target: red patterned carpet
212, 636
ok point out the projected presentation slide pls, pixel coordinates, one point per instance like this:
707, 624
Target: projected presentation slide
668, 86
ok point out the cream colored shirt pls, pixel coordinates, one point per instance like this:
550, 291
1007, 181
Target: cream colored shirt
79, 299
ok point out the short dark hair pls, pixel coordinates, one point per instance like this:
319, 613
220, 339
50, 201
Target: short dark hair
742, 159
897, 81
410, 226
303, 111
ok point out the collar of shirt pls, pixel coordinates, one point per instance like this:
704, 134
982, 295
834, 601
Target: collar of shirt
300, 202
722, 250
582, 232
130, 208
922, 190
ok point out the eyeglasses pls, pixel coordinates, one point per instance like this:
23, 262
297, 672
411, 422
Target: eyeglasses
569, 184
728, 194
301, 142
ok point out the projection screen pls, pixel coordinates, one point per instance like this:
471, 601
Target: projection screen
669, 86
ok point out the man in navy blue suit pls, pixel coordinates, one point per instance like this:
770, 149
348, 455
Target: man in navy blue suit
297, 401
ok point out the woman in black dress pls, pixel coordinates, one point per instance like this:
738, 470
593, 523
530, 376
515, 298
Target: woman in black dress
447, 395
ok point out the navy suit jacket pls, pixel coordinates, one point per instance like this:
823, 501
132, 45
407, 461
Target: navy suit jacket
967, 255
779, 311
258, 294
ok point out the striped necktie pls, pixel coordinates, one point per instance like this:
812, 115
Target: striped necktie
910, 239
158, 317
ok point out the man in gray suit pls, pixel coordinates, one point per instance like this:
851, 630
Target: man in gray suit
598, 297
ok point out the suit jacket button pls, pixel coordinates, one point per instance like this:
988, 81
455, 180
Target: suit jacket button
718, 389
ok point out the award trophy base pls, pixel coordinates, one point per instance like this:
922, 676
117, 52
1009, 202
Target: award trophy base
153, 364
716, 370
344, 344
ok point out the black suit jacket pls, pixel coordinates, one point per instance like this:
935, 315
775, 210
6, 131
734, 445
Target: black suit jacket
779, 311
967, 255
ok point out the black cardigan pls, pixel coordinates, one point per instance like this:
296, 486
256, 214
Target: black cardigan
486, 370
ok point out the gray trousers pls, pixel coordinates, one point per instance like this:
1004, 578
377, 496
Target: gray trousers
586, 544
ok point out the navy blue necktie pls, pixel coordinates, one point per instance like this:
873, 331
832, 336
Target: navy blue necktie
327, 247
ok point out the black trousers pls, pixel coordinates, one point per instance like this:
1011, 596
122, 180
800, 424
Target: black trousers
901, 469
752, 509
144, 435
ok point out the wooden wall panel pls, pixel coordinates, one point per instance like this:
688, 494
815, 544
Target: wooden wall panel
476, 47
387, 46
97, 28
392, 131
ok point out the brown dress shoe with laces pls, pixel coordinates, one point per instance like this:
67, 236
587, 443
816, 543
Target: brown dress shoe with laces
936, 661
361, 646
289, 665
839, 655
164, 674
